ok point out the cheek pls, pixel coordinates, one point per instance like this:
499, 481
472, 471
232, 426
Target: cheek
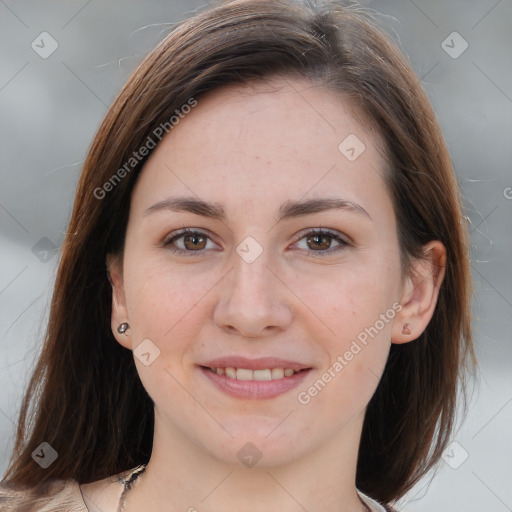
162, 300
356, 347
165, 307
351, 300
357, 314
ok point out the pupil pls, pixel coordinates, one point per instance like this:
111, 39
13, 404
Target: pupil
195, 239
319, 237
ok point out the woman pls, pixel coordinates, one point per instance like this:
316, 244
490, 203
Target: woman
263, 296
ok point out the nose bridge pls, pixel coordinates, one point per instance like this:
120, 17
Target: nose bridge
250, 270
251, 258
251, 280
252, 299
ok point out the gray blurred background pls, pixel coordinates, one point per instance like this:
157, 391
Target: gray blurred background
62, 63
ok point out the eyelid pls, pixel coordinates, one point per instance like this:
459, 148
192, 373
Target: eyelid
186, 231
325, 231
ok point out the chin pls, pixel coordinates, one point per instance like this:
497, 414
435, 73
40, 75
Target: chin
258, 444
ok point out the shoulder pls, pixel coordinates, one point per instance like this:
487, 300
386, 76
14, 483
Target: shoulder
54, 496
65, 495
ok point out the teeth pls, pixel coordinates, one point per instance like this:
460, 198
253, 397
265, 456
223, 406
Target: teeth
277, 373
248, 374
231, 373
261, 374
244, 374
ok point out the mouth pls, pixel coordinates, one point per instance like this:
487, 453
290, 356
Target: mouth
252, 384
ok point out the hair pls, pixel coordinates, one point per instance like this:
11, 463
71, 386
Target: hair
85, 397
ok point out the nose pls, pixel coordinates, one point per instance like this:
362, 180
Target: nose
254, 300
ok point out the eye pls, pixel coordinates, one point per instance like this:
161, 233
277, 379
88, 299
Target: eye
319, 242
187, 241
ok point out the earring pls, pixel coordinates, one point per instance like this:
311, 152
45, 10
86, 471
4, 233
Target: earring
123, 328
405, 329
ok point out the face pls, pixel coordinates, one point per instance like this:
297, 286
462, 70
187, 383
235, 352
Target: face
271, 284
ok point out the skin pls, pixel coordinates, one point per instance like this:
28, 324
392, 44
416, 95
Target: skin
251, 148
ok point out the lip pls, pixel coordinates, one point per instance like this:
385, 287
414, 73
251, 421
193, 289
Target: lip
260, 363
254, 389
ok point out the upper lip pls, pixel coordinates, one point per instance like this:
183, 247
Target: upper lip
260, 363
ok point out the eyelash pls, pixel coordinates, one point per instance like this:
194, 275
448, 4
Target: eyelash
343, 243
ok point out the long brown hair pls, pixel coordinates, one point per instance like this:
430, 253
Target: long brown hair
85, 397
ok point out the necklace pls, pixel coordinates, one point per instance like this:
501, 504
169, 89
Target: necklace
128, 484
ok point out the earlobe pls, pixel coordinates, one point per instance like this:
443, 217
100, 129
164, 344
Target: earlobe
119, 318
406, 330
420, 294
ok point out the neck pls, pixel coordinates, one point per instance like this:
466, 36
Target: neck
182, 475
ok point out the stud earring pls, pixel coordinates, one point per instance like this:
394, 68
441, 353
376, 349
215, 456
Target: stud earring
123, 328
405, 329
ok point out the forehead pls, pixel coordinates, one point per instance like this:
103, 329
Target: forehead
261, 141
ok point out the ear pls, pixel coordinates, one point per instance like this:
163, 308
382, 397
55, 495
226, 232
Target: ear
420, 293
119, 309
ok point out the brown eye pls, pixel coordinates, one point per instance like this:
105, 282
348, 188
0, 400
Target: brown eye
188, 242
322, 242
192, 242
319, 242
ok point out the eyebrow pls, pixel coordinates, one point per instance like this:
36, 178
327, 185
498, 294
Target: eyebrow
288, 210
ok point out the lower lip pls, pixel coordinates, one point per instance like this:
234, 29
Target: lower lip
255, 389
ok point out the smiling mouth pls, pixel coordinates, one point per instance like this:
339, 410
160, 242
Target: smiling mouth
255, 375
